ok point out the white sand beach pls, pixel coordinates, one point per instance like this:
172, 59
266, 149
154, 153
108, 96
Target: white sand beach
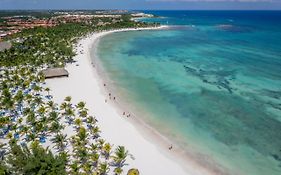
85, 84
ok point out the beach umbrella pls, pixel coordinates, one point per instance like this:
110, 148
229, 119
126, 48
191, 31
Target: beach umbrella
133, 171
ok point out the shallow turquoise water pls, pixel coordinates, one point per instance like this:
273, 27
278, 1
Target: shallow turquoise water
214, 87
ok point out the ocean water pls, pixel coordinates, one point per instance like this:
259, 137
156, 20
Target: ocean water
211, 83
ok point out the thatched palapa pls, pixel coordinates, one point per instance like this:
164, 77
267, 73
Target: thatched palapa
55, 72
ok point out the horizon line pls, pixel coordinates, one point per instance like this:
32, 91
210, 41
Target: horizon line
142, 9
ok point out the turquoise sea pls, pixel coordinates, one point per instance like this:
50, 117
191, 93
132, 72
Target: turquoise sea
211, 83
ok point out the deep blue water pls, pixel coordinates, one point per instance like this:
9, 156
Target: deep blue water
211, 83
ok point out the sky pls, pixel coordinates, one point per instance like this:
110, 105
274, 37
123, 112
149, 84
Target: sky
143, 4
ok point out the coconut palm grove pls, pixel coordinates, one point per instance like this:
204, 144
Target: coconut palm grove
34, 129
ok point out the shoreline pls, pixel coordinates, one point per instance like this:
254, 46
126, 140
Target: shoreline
86, 84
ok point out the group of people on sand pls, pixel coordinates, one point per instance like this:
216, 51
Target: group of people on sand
124, 113
111, 97
93, 64
128, 115
171, 147
114, 98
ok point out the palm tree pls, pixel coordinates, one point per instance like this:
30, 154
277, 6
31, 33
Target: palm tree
37, 88
87, 167
103, 168
133, 171
48, 90
83, 113
53, 116
78, 123
41, 77
106, 150
30, 137
31, 117
60, 141
20, 120
74, 168
41, 110
69, 113
95, 159
51, 105
95, 132
118, 171
120, 156
3, 151
91, 120
81, 105
38, 127
81, 153
7, 100
67, 99
94, 147
28, 98
64, 106
19, 96
82, 134
56, 127
4, 121
44, 122
100, 143
26, 84
25, 129
38, 100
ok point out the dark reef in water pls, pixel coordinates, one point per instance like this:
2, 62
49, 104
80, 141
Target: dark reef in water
271, 93
219, 78
237, 122
276, 157
274, 105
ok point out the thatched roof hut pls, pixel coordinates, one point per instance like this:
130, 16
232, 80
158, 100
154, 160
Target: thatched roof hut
5, 45
55, 72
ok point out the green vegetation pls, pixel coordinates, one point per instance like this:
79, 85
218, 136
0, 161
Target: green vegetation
54, 46
38, 46
35, 160
33, 128
133, 172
